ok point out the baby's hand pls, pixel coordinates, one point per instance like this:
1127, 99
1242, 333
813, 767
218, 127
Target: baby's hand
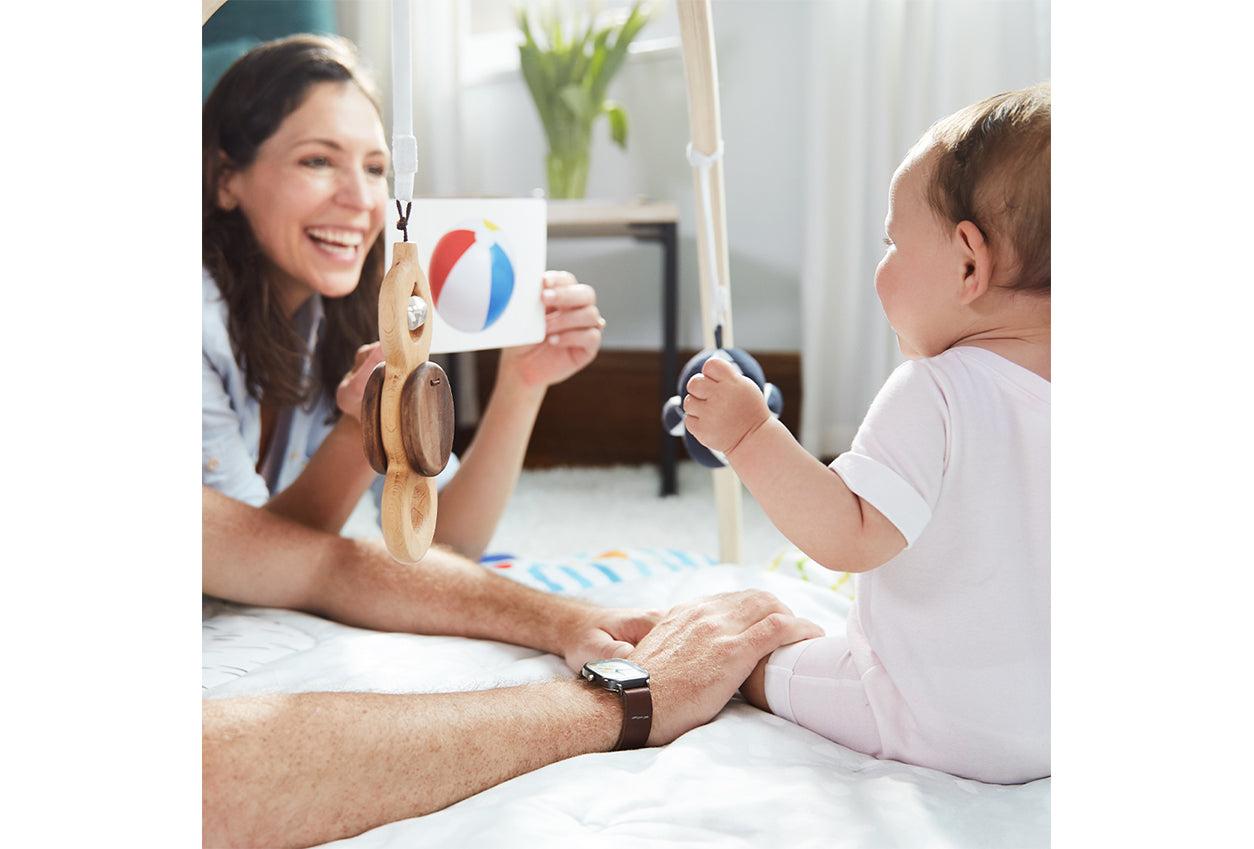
723, 406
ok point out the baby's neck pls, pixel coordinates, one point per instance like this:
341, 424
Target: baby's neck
1031, 355
1023, 337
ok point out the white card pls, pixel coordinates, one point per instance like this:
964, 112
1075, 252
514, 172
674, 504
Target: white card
484, 259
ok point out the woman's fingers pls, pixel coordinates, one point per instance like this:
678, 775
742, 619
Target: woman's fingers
588, 339
566, 296
574, 319
553, 279
364, 352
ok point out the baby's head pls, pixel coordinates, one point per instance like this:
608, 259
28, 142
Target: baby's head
968, 225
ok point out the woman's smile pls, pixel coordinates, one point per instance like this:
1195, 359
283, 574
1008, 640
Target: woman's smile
338, 244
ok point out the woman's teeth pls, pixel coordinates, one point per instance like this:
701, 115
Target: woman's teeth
340, 243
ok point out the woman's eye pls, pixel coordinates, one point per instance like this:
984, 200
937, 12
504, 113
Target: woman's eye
376, 170
888, 243
315, 162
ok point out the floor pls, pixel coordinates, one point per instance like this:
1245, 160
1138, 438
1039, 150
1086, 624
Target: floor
566, 511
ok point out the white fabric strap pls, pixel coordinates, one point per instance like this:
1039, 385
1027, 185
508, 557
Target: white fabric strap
404, 145
704, 162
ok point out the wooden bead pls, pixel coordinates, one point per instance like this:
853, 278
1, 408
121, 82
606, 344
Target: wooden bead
371, 421
427, 419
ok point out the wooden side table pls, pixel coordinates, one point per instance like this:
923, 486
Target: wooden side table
645, 222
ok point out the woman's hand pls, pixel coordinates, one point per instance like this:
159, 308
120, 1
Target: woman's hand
349, 393
572, 334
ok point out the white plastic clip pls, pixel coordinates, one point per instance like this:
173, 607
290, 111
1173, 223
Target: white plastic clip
720, 301
704, 160
404, 166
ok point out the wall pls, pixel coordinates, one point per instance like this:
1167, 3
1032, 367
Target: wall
761, 71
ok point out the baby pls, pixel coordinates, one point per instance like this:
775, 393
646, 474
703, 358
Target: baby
942, 503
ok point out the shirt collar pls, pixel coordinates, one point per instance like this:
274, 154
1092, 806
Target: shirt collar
309, 319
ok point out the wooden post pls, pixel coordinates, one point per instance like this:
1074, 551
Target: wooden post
207, 8
696, 30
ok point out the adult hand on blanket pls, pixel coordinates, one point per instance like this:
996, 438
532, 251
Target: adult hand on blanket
572, 334
698, 655
604, 632
723, 406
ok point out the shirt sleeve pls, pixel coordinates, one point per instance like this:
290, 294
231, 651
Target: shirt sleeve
226, 464
898, 457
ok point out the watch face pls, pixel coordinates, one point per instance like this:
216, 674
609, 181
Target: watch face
621, 671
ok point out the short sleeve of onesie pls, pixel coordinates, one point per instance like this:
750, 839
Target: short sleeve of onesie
897, 458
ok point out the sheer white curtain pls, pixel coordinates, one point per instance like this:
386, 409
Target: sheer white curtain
880, 72
438, 26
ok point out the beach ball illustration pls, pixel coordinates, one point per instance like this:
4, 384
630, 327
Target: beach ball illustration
471, 275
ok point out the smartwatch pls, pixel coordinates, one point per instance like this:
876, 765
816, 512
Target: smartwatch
631, 683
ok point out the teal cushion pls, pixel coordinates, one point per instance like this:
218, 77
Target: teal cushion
241, 24
217, 58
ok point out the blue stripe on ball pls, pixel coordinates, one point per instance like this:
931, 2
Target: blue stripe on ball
502, 285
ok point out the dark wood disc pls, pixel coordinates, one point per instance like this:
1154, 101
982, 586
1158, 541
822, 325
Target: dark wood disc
427, 419
372, 423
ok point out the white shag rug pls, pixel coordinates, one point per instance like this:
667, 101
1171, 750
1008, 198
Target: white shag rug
566, 511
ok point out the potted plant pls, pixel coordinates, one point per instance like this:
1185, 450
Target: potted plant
568, 72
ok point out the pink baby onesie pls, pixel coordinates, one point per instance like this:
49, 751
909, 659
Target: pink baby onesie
945, 660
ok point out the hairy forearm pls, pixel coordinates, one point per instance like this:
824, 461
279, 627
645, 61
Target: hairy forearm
442, 594
253, 557
326, 492
806, 500
294, 770
471, 503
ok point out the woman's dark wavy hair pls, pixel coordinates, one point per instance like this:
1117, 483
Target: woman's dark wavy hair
247, 105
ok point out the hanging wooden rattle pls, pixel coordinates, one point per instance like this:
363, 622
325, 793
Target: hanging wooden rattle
407, 408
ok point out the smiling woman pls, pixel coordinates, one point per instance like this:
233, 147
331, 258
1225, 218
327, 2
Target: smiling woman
295, 186
294, 201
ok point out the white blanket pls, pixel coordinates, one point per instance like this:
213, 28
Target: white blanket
745, 779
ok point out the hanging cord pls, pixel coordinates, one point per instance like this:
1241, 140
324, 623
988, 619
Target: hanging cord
718, 300
402, 221
404, 145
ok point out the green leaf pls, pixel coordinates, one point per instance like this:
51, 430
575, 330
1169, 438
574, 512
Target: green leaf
556, 43
576, 99
618, 123
570, 70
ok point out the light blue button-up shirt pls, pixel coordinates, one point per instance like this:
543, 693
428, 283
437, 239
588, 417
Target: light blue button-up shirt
230, 433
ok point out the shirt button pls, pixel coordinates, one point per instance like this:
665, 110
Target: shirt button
213, 464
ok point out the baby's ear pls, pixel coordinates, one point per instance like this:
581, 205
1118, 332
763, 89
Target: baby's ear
976, 259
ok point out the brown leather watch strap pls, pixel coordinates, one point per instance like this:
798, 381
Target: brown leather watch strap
637, 718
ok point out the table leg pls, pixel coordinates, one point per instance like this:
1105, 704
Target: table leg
670, 347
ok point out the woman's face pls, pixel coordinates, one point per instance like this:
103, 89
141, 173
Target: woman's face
316, 193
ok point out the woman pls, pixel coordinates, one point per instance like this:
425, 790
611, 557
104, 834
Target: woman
294, 203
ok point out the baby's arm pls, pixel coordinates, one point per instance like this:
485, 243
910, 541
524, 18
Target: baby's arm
807, 501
